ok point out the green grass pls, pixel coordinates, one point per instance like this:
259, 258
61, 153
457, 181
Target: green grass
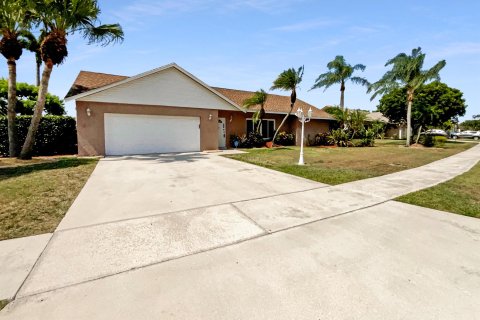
340, 165
35, 197
460, 195
3, 304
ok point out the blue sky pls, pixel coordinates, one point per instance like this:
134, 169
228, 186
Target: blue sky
245, 44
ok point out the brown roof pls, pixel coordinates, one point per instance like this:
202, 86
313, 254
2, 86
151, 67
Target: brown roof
275, 103
87, 81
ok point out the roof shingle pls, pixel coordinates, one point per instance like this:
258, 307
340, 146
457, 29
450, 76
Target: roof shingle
87, 81
275, 103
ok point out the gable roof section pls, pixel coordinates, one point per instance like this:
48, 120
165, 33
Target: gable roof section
87, 81
158, 86
275, 103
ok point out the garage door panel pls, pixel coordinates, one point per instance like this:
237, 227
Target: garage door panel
142, 134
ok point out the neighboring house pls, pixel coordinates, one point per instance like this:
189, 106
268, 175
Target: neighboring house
393, 130
170, 110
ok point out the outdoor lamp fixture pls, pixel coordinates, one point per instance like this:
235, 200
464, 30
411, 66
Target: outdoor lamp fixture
231, 118
210, 116
89, 112
303, 119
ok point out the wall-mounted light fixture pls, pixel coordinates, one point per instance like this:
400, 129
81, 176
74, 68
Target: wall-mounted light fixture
89, 112
231, 118
210, 116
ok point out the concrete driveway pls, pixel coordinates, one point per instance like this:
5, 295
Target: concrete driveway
138, 186
148, 237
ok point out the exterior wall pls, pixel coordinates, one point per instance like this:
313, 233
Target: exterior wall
237, 125
237, 122
396, 132
311, 129
91, 130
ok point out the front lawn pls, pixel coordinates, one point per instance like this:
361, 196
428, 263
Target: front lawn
35, 197
460, 195
339, 165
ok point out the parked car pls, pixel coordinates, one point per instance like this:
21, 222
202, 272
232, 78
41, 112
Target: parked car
467, 134
436, 132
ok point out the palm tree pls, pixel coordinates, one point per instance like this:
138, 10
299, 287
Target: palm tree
259, 98
32, 44
60, 19
288, 80
340, 72
406, 72
12, 22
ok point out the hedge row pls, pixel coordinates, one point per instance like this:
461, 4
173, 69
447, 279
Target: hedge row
56, 135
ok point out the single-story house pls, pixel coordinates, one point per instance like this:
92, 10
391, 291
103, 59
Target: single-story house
170, 110
393, 130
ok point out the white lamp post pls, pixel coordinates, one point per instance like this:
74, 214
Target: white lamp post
303, 119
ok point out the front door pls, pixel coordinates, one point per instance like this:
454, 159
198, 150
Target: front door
222, 142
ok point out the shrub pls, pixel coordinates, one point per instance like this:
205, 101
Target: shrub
439, 141
55, 135
339, 137
252, 140
249, 140
285, 139
427, 140
368, 138
321, 139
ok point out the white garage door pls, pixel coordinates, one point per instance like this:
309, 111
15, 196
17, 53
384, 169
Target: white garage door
142, 134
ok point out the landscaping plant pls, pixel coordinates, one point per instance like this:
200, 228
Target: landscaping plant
285, 139
288, 80
406, 73
61, 19
339, 72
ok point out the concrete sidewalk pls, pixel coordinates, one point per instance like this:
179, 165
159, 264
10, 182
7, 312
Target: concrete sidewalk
17, 257
390, 261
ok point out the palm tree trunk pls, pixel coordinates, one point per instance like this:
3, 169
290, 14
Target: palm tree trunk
342, 95
37, 114
12, 101
283, 121
418, 134
409, 118
39, 64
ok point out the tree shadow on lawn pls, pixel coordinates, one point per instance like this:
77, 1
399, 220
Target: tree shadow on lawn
12, 172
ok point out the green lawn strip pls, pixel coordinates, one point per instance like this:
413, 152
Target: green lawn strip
340, 165
460, 195
34, 198
3, 304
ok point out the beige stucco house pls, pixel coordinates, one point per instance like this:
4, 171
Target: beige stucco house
170, 110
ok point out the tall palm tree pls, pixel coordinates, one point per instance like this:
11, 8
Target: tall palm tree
406, 72
340, 72
32, 44
259, 98
60, 19
288, 80
12, 21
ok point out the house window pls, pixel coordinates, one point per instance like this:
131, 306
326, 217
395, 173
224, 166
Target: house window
267, 128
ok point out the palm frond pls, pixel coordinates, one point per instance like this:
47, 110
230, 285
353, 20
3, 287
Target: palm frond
259, 98
104, 34
288, 80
